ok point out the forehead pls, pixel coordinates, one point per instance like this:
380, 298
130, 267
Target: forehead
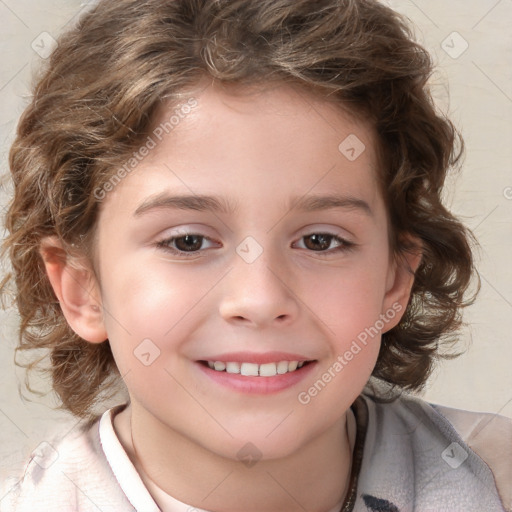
271, 113
261, 142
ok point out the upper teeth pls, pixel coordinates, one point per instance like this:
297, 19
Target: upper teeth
254, 370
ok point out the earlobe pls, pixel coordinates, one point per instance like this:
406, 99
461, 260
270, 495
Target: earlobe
400, 282
76, 288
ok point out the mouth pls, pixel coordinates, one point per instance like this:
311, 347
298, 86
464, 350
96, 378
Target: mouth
257, 373
249, 369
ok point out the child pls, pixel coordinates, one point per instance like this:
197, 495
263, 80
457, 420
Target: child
295, 143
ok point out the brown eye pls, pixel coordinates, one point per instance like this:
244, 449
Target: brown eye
318, 242
325, 244
188, 243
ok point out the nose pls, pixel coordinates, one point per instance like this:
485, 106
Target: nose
259, 294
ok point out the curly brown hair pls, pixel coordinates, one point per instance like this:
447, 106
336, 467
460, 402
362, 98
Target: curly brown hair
94, 103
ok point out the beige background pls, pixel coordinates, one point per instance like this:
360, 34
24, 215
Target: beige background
471, 42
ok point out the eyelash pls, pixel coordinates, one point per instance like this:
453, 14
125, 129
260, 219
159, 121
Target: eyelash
344, 245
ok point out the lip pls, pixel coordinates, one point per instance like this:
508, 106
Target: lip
257, 385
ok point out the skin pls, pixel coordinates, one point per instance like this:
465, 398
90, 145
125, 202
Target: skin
258, 150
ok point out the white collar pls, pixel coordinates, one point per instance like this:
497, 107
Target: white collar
124, 471
142, 493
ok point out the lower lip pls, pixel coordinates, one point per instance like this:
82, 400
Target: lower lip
258, 385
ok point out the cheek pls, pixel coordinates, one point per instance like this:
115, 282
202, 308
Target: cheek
153, 303
349, 300
351, 315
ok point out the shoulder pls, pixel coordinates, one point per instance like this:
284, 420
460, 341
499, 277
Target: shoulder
69, 472
490, 437
434, 457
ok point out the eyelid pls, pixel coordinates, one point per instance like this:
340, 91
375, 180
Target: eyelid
322, 229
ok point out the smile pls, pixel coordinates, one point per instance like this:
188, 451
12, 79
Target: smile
257, 373
256, 370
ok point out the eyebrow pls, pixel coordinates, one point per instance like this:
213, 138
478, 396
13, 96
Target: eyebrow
186, 202
221, 205
325, 202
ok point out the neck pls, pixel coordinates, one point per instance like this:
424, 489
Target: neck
196, 476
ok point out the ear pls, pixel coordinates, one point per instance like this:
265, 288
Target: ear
76, 288
400, 280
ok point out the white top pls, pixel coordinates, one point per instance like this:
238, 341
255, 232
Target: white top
408, 457
124, 471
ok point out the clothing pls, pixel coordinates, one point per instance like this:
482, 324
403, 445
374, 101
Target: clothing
407, 456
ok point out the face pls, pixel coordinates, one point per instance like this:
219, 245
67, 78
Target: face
251, 238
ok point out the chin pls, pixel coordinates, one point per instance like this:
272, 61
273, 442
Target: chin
259, 444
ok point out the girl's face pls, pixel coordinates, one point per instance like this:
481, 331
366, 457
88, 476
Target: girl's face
250, 236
